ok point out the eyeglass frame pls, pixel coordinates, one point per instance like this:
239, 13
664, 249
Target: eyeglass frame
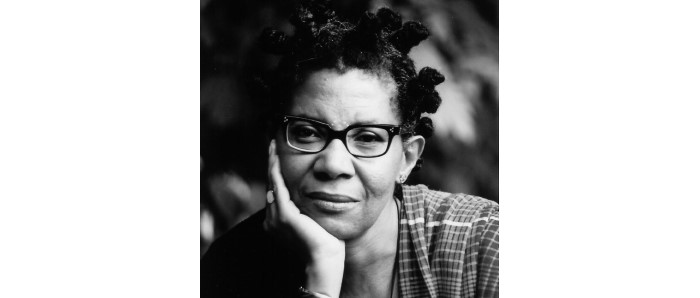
342, 135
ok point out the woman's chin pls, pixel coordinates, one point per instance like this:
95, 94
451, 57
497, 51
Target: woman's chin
345, 221
337, 226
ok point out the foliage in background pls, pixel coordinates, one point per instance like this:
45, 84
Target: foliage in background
462, 156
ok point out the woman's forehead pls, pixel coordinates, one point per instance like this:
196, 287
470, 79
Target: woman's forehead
343, 99
350, 80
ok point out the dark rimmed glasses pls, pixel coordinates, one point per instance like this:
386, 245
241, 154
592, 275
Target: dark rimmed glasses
361, 140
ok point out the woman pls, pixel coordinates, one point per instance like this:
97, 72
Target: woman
348, 131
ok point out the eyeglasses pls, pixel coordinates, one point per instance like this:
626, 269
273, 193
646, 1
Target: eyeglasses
361, 140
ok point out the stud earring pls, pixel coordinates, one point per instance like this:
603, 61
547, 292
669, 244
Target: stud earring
402, 178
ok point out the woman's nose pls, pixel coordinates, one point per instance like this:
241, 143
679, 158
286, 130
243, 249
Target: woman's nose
334, 162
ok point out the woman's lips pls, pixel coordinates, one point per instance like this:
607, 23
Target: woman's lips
331, 203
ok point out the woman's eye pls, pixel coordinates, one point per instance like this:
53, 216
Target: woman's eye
305, 132
367, 137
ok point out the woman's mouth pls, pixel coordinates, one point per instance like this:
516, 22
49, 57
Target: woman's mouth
331, 203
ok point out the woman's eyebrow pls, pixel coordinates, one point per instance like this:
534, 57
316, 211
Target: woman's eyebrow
345, 125
358, 123
302, 115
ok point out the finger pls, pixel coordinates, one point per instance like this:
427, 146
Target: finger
273, 184
270, 211
282, 201
270, 157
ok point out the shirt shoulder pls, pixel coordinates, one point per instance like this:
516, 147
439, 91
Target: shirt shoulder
459, 235
220, 267
450, 208
247, 262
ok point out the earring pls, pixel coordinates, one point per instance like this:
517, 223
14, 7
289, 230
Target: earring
402, 178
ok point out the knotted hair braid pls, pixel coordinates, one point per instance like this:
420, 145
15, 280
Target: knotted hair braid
379, 43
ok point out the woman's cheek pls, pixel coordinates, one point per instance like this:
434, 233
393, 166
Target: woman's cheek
294, 169
377, 182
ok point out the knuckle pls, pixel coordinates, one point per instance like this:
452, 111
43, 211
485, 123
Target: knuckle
283, 220
270, 226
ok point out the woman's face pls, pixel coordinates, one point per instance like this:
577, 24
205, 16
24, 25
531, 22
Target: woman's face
343, 193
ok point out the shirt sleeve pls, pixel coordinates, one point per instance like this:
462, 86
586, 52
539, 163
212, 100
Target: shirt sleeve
487, 282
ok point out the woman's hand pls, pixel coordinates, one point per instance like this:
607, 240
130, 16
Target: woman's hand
325, 253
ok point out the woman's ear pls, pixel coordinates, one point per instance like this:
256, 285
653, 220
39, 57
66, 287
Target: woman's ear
412, 150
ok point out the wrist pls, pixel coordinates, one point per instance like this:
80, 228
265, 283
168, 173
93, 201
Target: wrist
324, 275
304, 293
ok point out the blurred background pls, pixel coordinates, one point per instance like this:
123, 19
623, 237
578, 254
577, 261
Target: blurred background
462, 156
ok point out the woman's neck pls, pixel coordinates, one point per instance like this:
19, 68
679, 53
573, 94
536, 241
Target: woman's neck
369, 259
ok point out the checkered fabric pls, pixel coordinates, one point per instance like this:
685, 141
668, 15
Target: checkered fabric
448, 245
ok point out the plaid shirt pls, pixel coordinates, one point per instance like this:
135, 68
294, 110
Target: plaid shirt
448, 245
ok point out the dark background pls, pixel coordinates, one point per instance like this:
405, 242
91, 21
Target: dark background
462, 156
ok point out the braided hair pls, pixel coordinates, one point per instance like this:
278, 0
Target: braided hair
379, 43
